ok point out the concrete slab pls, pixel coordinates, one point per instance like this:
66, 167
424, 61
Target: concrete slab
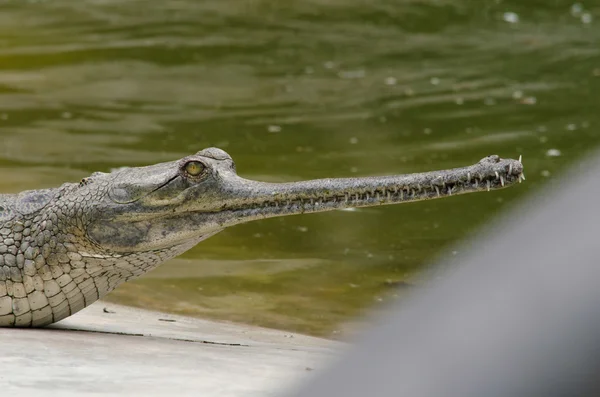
109, 349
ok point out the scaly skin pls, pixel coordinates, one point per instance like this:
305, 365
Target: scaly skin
64, 248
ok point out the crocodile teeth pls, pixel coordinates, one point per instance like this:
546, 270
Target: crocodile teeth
520, 159
488, 186
523, 176
510, 169
497, 175
450, 190
469, 177
437, 190
476, 183
501, 180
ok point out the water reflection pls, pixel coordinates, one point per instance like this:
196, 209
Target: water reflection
300, 90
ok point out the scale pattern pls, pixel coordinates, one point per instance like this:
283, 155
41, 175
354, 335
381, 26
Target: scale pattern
49, 269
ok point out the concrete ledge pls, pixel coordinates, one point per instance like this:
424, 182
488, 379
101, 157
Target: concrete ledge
109, 349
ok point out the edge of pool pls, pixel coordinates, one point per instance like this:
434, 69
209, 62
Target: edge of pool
108, 349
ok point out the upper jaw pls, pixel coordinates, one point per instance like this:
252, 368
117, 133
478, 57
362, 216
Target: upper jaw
244, 200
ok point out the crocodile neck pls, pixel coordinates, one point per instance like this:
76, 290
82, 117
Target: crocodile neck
47, 274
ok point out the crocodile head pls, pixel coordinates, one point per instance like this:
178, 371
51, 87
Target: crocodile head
64, 248
182, 202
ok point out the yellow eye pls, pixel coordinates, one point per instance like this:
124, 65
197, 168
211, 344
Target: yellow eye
194, 168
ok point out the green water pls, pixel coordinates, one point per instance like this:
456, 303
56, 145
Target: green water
296, 90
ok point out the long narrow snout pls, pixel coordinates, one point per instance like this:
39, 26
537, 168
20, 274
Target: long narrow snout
249, 200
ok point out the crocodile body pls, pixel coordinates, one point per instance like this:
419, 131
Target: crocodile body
64, 248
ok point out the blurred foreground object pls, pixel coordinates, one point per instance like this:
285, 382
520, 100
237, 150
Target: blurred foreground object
517, 315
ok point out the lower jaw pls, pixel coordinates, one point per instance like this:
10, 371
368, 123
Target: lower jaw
274, 209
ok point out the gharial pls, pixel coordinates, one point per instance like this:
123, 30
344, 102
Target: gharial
64, 248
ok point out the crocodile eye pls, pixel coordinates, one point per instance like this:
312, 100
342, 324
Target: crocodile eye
194, 168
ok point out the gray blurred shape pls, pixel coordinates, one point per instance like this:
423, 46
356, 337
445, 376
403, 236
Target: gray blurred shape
517, 315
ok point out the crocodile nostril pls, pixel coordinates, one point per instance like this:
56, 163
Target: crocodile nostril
491, 159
